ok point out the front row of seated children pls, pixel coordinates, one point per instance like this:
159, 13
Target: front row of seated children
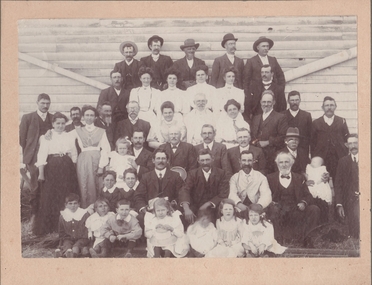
82, 234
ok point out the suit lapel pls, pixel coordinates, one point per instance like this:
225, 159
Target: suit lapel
155, 179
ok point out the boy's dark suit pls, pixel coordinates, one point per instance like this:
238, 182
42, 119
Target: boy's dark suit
159, 67
185, 155
144, 160
218, 68
218, 151
188, 77
129, 73
118, 103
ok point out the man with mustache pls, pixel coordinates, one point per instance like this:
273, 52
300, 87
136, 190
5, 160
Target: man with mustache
347, 187
204, 188
292, 211
186, 64
157, 62
75, 115
225, 61
249, 186
142, 155
329, 134
117, 96
298, 118
104, 121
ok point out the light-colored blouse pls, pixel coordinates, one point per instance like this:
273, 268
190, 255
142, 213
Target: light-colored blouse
178, 98
147, 98
160, 132
204, 88
226, 93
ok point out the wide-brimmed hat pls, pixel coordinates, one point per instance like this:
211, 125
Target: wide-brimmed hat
189, 43
261, 40
292, 132
226, 38
135, 48
155, 37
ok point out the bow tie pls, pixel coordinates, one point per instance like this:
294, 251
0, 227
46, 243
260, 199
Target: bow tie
285, 176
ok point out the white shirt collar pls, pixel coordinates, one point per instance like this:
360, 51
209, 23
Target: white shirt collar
111, 190
294, 113
231, 57
209, 145
133, 121
190, 62
264, 59
177, 145
160, 171
330, 120
243, 148
265, 115
207, 174
127, 219
293, 153
356, 157
41, 114
126, 187
137, 152
155, 57
117, 91
129, 62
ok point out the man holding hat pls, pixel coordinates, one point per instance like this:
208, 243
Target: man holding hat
225, 61
129, 67
157, 62
185, 65
252, 69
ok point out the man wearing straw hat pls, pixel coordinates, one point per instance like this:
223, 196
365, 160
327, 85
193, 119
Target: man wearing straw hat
129, 67
157, 62
225, 61
185, 64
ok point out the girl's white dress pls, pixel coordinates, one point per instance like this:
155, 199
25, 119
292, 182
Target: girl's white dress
231, 232
180, 245
262, 234
319, 189
95, 224
120, 163
202, 239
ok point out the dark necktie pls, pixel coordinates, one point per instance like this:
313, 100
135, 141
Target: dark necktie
160, 181
210, 149
284, 176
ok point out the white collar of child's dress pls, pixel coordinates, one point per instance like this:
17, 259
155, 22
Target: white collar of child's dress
111, 190
126, 187
127, 219
90, 127
68, 216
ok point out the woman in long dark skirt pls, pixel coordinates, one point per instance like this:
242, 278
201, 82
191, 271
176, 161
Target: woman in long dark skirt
57, 174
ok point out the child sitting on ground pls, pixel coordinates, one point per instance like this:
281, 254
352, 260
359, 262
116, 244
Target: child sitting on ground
258, 238
122, 228
73, 235
314, 173
95, 225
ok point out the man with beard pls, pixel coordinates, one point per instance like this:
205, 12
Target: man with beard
128, 68
180, 153
185, 65
249, 186
292, 211
218, 150
157, 62
347, 187
204, 188
117, 96
142, 155
225, 61
329, 134
104, 121
75, 115
126, 128
300, 119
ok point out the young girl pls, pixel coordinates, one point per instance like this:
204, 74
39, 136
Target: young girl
121, 159
95, 225
164, 231
318, 188
202, 235
258, 236
73, 235
229, 232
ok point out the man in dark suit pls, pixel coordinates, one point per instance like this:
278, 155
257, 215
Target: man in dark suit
117, 96
157, 62
268, 129
252, 102
292, 211
252, 68
232, 165
129, 67
218, 150
185, 65
204, 188
328, 136
225, 61
347, 187
142, 155
104, 121
75, 115
300, 119
181, 154
34, 125
126, 128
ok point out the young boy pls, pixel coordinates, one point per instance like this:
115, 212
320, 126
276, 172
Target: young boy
73, 234
123, 227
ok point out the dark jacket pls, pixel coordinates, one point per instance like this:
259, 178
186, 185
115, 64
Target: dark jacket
187, 75
129, 73
185, 155
118, 103
159, 67
126, 128
218, 68
218, 151
144, 160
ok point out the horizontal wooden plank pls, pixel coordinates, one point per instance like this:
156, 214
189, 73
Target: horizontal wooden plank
58, 90
54, 81
324, 88
310, 79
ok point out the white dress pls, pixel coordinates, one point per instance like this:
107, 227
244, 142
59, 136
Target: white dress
202, 239
95, 224
319, 189
226, 93
147, 98
120, 163
178, 98
204, 88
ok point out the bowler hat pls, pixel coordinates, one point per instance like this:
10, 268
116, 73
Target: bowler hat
153, 38
226, 38
261, 40
189, 43
135, 48
292, 132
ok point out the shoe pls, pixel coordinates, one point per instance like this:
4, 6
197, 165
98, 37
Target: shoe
69, 253
57, 253
93, 253
128, 255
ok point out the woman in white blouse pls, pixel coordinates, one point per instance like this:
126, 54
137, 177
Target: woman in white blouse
146, 96
229, 122
159, 133
57, 174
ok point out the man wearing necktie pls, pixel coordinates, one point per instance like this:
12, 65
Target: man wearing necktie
292, 211
204, 188
347, 187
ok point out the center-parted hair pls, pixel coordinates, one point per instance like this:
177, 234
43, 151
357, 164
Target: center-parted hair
224, 202
109, 172
161, 202
167, 104
126, 142
87, 108
100, 201
145, 70
232, 102
129, 170
59, 115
